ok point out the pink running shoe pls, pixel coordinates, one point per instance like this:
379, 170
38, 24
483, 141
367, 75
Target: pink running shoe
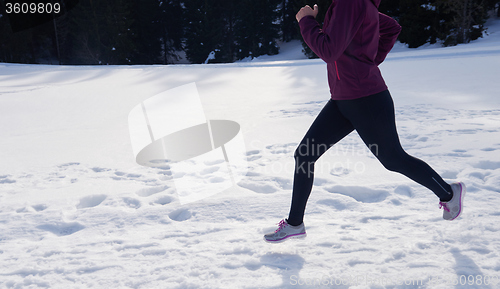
454, 207
285, 231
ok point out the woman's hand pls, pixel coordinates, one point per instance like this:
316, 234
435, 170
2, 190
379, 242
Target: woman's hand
306, 11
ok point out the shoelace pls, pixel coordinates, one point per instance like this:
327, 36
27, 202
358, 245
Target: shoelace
281, 225
444, 206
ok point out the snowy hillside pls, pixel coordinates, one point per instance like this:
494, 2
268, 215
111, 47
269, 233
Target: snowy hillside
76, 211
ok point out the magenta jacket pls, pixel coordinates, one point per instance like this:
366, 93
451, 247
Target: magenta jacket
354, 40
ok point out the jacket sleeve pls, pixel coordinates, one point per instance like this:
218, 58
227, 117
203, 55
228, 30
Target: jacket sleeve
389, 31
345, 21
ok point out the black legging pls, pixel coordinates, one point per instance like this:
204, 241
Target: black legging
373, 118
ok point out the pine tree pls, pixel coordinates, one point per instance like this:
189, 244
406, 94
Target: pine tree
101, 33
16, 47
418, 19
231, 30
288, 24
227, 49
468, 17
117, 40
61, 27
171, 20
204, 29
85, 34
146, 30
257, 29
492, 5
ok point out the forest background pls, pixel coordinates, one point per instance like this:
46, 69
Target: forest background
127, 32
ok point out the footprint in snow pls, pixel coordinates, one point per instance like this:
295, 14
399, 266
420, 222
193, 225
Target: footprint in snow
394, 218
40, 207
35, 208
353, 263
488, 149
340, 171
123, 176
69, 165
320, 182
132, 203
253, 155
487, 165
360, 194
146, 192
404, 191
282, 148
62, 229
99, 170
91, 201
6, 180
479, 175
23, 210
164, 200
258, 188
338, 205
283, 261
180, 215
216, 180
253, 152
133, 176
466, 131
283, 183
165, 172
209, 170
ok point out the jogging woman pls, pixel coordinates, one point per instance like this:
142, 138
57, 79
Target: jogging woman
354, 40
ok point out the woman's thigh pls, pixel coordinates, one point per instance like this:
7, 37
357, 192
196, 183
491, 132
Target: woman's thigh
329, 127
374, 120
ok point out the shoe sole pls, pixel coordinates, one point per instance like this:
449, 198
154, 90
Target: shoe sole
296, 236
462, 195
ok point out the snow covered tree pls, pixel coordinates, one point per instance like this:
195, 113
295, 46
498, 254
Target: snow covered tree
468, 17
204, 29
288, 24
171, 20
230, 30
256, 28
101, 32
420, 21
146, 31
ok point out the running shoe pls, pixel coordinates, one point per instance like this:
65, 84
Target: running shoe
454, 207
285, 231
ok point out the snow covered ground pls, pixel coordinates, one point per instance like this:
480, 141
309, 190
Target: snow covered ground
76, 211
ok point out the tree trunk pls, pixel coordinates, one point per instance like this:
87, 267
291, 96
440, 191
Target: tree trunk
464, 22
57, 41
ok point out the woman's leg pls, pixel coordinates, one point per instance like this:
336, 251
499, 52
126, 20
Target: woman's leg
373, 118
328, 128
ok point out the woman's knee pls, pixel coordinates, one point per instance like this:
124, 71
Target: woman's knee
394, 162
305, 154
392, 166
